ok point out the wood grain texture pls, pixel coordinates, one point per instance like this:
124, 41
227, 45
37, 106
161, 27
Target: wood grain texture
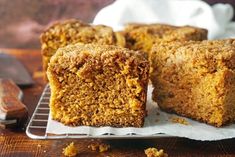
15, 143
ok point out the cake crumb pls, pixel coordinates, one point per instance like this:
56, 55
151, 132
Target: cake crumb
38, 74
99, 147
70, 150
179, 120
154, 152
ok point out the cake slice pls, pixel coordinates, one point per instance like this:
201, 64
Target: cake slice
73, 31
98, 85
143, 36
196, 79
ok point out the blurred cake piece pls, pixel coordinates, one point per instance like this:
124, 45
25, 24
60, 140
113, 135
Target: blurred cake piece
73, 31
98, 85
143, 36
196, 79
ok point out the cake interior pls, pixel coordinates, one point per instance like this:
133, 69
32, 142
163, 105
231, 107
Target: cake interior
97, 90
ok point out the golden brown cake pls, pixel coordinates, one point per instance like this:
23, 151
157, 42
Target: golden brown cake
143, 36
98, 85
196, 79
73, 31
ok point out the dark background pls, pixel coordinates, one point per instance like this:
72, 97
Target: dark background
22, 21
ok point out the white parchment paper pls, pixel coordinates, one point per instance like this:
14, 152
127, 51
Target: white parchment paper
154, 124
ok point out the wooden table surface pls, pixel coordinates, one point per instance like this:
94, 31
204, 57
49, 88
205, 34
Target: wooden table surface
16, 143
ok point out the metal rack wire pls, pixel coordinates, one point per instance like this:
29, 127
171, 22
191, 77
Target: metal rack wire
37, 125
36, 128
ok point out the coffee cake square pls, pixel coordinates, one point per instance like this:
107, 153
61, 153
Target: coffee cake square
195, 79
98, 85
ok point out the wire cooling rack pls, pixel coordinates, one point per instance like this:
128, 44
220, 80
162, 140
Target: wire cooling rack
36, 128
37, 125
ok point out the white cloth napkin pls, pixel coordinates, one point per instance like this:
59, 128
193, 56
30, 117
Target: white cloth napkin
216, 19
